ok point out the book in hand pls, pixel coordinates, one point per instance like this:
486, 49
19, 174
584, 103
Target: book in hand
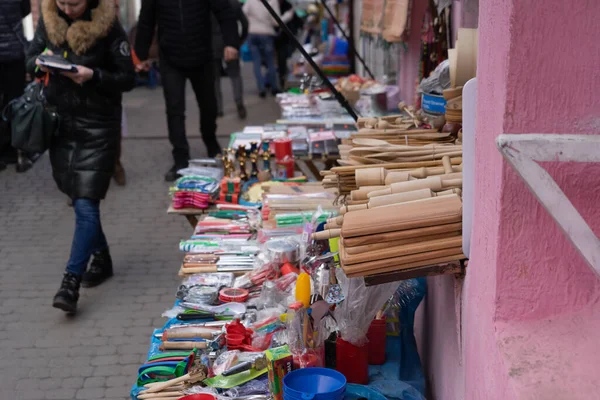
56, 63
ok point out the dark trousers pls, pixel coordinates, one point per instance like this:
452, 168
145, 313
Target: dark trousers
202, 79
235, 76
12, 84
282, 47
88, 237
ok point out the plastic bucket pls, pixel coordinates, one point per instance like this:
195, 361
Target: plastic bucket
352, 361
314, 384
377, 339
198, 396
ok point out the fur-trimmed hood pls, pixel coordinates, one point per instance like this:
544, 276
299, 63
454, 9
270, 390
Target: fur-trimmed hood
80, 35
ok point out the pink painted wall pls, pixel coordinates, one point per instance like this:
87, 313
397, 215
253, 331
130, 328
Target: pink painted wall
530, 310
409, 58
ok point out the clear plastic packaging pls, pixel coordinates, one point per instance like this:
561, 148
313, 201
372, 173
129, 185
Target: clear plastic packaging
256, 387
225, 361
256, 277
361, 304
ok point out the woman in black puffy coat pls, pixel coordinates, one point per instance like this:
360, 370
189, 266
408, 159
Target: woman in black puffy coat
88, 34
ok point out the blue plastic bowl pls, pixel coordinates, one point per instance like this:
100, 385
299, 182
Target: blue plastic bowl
314, 384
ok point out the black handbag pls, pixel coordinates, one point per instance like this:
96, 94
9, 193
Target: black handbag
33, 122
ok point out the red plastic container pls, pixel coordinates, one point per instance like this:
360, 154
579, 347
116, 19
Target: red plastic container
377, 338
283, 148
352, 361
285, 169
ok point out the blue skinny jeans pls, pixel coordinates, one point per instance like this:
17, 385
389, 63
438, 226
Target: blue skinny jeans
88, 238
262, 48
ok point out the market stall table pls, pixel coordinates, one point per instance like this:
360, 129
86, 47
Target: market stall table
191, 214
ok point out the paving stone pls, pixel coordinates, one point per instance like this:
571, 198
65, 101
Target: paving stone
94, 382
95, 355
90, 393
60, 394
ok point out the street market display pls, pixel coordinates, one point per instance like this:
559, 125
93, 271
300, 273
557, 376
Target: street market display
276, 299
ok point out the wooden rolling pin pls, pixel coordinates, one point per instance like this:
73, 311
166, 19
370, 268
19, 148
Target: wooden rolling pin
434, 183
328, 234
361, 194
402, 197
379, 176
183, 345
189, 333
337, 220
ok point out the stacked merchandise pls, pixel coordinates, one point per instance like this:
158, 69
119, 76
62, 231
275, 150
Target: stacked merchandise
196, 188
258, 305
402, 202
192, 191
230, 190
293, 205
403, 151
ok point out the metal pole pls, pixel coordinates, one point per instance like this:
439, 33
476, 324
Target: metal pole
338, 96
349, 40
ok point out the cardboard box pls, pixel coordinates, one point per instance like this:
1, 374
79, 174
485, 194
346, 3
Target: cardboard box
280, 362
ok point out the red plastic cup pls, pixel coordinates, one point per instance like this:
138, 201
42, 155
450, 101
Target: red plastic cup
377, 339
198, 396
234, 339
352, 361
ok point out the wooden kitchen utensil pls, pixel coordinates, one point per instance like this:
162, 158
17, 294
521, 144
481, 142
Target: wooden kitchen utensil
195, 375
409, 215
401, 235
402, 250
184, 345
385, 245
434, 183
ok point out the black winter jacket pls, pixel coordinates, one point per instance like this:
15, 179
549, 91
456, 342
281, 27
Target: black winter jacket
184, 29
12, 38
83, 156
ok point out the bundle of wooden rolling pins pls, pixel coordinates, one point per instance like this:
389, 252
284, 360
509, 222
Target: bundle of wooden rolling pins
403, 206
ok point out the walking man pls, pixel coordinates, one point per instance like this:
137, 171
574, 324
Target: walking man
232, 68
185, 52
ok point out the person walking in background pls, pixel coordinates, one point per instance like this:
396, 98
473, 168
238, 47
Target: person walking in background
12, 72
232, 68
283, 42
261, 42
185, 47
84, 154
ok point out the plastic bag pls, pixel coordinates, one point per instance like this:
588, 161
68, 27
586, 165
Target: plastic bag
438, 80
355, 313
256, 387
225, 361
277, 292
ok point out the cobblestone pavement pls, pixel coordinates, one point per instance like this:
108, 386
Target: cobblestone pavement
94, 355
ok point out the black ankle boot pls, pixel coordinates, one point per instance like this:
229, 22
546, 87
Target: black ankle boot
100, 269
68, 294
